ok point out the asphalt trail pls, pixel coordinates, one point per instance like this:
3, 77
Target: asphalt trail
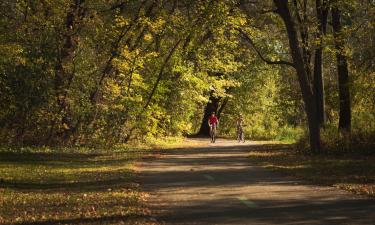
216, 184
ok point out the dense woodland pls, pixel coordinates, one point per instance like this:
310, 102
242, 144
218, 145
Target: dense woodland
106, 72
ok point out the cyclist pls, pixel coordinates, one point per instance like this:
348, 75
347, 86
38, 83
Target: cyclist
239, 125
212, 123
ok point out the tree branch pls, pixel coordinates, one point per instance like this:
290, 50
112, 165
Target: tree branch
161, 72
268, 61
265, 11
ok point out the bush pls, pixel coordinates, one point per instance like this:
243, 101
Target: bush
290, 134
361, 142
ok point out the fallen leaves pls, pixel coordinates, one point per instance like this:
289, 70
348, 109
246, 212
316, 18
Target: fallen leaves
95, 187
348, 172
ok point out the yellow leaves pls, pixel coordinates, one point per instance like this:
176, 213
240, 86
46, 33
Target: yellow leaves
121, 21
12, 52
57, 198
137, 81
115, 89
221, 85
157, 25
133, 60
368, 189
147, 37
65, 126
112, 90
237, 21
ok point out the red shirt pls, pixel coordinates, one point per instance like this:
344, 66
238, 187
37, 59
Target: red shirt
213, 120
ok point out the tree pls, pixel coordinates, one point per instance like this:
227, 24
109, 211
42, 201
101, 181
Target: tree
295, 18
73, 72
64, 71
300, 56
342, 71
322, 17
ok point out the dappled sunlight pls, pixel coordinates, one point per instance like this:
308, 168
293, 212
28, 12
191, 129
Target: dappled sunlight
221, 184
67, 189
353, 173
211, 112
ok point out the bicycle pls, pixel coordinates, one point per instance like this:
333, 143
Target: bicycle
213, 133
240, 134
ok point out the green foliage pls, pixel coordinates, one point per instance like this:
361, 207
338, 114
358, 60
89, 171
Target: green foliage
88, 82
104, 73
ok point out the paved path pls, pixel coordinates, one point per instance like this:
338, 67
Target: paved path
217, 184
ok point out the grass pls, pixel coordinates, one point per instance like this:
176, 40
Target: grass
351, 172
69, 186
75, 185
176, 142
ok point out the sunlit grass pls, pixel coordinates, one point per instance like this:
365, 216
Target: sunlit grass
176, 142
68, 188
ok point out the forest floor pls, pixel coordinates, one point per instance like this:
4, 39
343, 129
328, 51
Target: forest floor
69, 188
228, 183
354, 172
43, 186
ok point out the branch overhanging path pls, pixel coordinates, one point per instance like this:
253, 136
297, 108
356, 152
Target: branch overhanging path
268, 61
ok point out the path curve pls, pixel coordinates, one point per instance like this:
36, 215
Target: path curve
217, 184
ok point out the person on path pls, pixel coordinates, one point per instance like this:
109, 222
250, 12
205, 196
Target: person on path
213, 121
239, 126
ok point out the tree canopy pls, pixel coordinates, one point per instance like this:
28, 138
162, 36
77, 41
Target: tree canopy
80, 72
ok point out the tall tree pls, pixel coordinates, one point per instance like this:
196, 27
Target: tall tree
322, 16
64, 71
302, 66
342, 71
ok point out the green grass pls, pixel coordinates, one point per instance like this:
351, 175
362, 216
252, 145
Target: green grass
175, 142
349, 171
68, 186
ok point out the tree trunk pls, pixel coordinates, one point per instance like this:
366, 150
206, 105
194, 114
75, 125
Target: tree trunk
302, 73
222, 106
343, 73
322, 14
64, 75
212, 106
319, 86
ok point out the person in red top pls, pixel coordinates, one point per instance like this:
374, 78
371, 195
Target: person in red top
212, 122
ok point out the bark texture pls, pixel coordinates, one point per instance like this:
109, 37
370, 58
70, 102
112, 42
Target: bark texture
342, 72
302, 73
322, 15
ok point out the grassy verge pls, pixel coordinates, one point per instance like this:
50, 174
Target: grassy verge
176, 143
68, 186
350, 172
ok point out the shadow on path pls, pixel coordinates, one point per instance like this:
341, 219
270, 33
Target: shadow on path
218, 185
